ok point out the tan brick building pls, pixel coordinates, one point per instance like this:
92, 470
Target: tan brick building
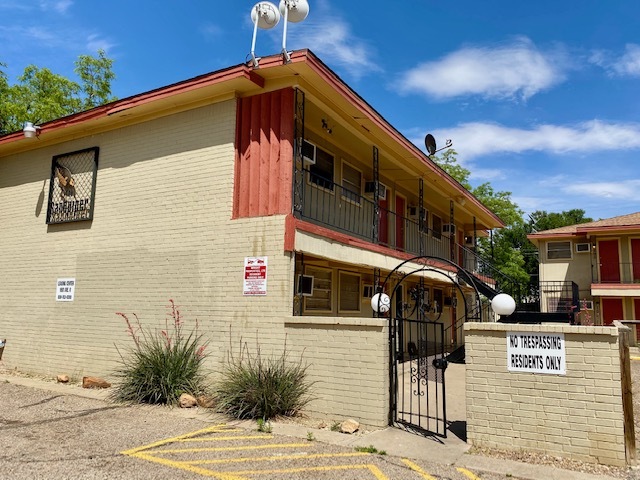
167, 194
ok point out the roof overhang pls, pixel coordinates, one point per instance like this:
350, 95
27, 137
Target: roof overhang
305, 71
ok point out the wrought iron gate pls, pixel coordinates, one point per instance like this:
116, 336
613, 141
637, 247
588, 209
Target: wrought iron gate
418, 348
417, 375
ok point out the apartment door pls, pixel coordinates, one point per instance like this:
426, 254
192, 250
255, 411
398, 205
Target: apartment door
609, 261
401, 209
635, 265
612, 310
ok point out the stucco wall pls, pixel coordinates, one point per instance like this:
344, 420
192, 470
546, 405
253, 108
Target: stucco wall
577, 415
162, 229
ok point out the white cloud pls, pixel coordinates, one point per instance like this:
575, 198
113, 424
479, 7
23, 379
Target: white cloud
626, 65
518, 69
629, 64
331, 38
60, 6
477, 139
95, 43
619, 189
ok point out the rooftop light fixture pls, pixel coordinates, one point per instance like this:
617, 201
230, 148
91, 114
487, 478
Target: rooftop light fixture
266, 16
294, 11
30, 130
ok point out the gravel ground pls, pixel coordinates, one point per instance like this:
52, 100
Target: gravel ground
52, 435
90, 446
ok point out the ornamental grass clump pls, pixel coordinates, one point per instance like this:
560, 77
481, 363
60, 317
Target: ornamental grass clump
162, 365
255, 387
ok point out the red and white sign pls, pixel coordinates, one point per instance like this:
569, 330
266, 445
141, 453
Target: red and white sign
255, 276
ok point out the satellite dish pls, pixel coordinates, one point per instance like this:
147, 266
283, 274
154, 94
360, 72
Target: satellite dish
294, 10
430, 143
265, 14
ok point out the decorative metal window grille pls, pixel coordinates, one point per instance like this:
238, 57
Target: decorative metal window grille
72, 187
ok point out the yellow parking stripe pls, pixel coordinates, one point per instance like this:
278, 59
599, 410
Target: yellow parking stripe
221, 439
215, 429
372, 468
468, 474
279, 457
417, 469
188, 468
635, 358
231, 449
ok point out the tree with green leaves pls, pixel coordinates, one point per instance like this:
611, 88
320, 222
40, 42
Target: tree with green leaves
498, 246
41, 95
509, 248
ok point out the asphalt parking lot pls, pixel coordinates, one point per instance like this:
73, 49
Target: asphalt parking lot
50, 434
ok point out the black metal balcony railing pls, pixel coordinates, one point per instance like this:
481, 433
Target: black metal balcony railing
324, 202
615, 272
328, 203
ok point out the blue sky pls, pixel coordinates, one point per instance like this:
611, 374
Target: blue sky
541, 99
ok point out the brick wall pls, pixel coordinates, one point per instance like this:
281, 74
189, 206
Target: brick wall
577, 415
348, 360
162, 229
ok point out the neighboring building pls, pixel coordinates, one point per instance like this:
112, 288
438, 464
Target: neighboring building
596, 264
267, 202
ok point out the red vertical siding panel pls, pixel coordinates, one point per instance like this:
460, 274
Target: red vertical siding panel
241, 181
254, 158
285, 179
275, 187
264, 155
266, 104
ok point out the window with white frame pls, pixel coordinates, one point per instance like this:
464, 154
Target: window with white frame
351, 183
321, 165
320, 299
349, 300
558, 250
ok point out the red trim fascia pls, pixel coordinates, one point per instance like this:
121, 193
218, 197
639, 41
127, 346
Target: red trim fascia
545, 236
615, 286
293, 224
608, 229
239, 71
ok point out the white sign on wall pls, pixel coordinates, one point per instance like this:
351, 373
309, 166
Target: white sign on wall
536, 352
255, 276
65, 289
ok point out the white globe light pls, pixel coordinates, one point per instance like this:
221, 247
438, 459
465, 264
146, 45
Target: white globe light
503, 304
381, 303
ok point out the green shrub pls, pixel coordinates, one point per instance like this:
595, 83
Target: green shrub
254, 387
162, 365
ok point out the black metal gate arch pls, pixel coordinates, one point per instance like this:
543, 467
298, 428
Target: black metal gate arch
417, 381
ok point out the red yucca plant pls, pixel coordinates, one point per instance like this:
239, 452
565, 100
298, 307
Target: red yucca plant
162, 365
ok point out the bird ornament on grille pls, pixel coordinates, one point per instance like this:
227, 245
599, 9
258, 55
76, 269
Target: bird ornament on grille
66, 181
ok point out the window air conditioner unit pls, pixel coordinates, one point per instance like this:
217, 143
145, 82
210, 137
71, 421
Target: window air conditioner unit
449, 229
414, 212
304, 285
583, 247
586, 305
308, 153
369, 188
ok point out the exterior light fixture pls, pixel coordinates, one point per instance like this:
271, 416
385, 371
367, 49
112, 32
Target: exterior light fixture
503, 304
30, 130
266, 16
381, 303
